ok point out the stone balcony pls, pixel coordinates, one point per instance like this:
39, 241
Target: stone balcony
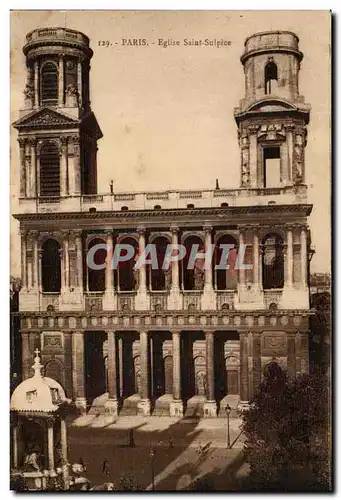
165, 200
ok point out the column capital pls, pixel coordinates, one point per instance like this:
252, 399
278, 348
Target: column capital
23, 232
176, 332
50, 421
174, 229
209, 333
207, 228
65, 234
108, 233
141, 230
22, 141
64, 140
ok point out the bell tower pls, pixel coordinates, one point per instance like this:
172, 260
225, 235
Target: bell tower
273, 116
58, 131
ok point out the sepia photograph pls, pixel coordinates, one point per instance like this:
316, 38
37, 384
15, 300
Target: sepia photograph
170, 228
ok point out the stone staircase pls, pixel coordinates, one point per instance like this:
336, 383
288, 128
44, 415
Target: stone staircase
161, 406
195, 407
129, 407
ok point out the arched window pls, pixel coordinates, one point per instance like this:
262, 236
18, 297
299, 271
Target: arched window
49, 84
128, 277
193, 270
226, 279
273, 262
96, 277
160, 278
49, 170
270, 77
50, 263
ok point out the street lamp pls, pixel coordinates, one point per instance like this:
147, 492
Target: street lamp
152, 456
228, 411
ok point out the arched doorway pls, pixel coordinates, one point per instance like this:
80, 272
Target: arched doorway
55, 369
96, 378
200, 376
168, 370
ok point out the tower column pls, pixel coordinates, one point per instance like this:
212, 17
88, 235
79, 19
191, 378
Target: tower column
33, 183
79, 82
61, 81
241, 271
63, 168
22, 143
50, 444
111, 406
36, 83
66, 259
210, 406
255, 257
174, 300
23, 235
35, 273
208, 269
79, 271
109, 295
176, 406
244, 373
253, 161
304, 264
141, 300
76, 185
144, 403
78, 376
289, 259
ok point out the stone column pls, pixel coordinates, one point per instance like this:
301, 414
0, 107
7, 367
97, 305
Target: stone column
255, 262
61, 81
144, 404
290, 259
50, 445
66, 260
244, 376
291, 357
63, 167
176, 406
26, 356
23, 235
78, 375
210, 406
290, 154
111, 405
208, 270
35, 260
241, 272
63, 439
15, 446
175, 299
34, 184
304, 264
109, 295
75, 173
141, 300
36, 83
253, 161
304, 353
284, 164
256, 361
79, 82
22, 143
79, 254
142, 272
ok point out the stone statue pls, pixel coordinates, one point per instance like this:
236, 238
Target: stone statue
198, 278
31, 461
29, 91
168, 278
136, 278
71, 89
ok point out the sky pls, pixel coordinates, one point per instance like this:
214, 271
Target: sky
167, 113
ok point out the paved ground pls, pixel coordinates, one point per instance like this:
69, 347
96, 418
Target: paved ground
177, 461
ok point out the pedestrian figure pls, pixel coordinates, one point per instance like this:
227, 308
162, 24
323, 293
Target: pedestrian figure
81, 461
131, 438
106, 468
170, 442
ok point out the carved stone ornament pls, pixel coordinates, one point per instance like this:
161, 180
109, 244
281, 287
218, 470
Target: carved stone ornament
29, 91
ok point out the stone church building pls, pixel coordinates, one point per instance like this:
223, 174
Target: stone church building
149, 341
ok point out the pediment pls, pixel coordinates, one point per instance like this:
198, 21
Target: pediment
270, 106
46, 118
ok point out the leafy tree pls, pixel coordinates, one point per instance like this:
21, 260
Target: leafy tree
286, 430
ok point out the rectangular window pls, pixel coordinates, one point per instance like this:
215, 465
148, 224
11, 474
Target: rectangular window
272, 166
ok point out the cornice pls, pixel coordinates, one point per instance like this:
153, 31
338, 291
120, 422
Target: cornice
303, 209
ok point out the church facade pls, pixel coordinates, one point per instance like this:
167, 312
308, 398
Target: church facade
152, 341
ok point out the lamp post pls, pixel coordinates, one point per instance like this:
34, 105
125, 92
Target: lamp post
228, 411
152, 456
